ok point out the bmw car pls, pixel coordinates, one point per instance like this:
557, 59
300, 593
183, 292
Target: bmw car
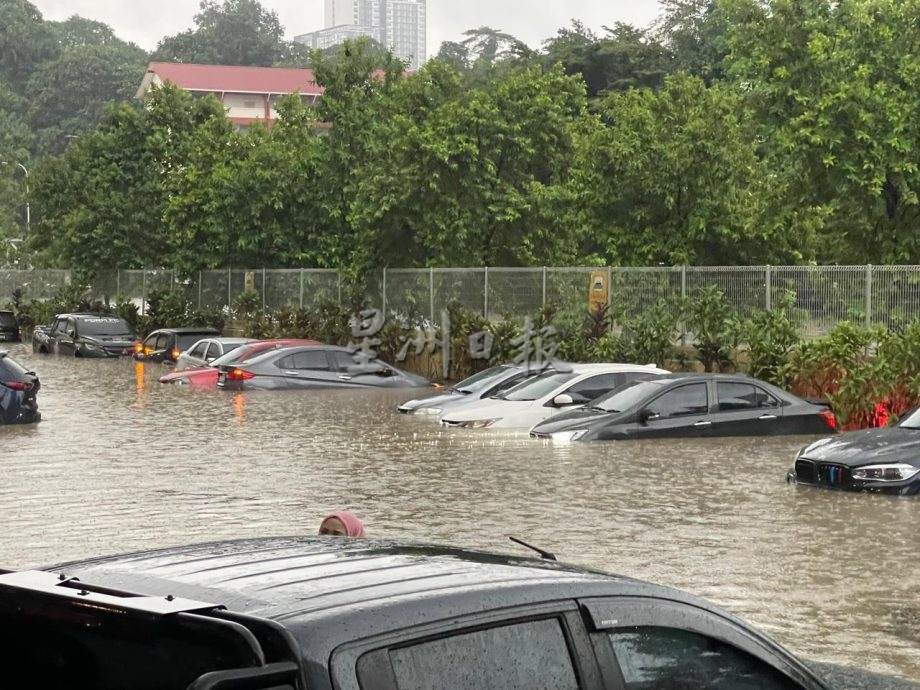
883, 460
687, 406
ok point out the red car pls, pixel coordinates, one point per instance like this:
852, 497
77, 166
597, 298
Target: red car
207, 376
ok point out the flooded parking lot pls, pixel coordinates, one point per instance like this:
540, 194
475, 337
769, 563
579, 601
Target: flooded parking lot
121, 462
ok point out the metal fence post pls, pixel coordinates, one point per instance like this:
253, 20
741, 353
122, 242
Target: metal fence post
263, 289
431, 293
301, 288
117, 283
485, 294
769, 283
384, 295
143, 291
544, 286
339, 280
229, 288
683, 299
199, 289
869, 295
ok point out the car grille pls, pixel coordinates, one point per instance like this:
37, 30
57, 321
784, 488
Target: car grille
825, 473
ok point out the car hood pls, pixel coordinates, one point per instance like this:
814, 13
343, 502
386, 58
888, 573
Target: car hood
870, 447
107, 339
437, 400
570, 420
487, 409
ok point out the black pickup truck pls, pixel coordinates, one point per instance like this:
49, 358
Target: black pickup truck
84, 335
353, 614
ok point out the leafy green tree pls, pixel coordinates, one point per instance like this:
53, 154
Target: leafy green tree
26, 41
695, 32
232, 32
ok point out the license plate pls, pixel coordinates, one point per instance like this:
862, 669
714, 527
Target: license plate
221, 379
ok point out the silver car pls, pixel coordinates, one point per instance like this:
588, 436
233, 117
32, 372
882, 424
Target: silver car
206, 350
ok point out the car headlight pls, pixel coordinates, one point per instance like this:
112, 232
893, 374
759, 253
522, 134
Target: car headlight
90, 346
895, 472
566, 436
429, 410
479, 423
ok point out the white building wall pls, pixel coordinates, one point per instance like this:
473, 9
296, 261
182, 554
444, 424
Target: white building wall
406, 30
245, 105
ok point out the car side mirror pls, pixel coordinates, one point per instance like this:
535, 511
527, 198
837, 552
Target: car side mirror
647, 415
563, 400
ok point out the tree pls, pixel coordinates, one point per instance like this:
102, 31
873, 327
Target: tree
26, 41
234, 32
696, 34
673, 177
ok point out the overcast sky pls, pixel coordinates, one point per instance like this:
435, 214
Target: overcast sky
145, 23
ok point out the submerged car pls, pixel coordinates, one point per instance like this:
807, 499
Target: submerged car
314, 366
323, 613
9, 327
538, 398
690, 405
207, 375
84, 335
885, 460
205, 351
166, 344
18, 388
484, 384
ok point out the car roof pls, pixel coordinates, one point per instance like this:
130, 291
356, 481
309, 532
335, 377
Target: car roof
204, 330
594, 368
333, 587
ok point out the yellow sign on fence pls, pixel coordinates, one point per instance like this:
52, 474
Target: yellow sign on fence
599, 290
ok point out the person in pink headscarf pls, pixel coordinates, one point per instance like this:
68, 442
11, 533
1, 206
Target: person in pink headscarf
341, 524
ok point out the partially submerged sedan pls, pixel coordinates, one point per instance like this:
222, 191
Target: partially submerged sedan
314, 366
538, 398
883, 460
207, 376
687, 406
485, 384
206, 350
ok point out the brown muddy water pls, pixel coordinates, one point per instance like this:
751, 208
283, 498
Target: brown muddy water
122, 462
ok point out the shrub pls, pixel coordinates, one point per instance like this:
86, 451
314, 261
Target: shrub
709, 318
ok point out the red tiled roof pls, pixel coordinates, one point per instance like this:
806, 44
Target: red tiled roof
220, 78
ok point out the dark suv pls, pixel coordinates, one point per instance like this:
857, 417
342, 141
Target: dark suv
357, 614
18, 388
166, 344
9, 327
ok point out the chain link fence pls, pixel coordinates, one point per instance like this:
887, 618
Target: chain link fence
821, 296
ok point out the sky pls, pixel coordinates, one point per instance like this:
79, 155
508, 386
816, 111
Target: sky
531, 21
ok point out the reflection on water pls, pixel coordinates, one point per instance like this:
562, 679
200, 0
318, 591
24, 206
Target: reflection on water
122, 462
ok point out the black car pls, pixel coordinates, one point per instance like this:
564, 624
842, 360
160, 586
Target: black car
314, 366
689, 405
9, 327
18, 388
885, 460
355, 614
166, 344
84, 335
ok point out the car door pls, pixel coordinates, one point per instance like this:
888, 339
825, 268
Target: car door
543, 647
645, 643
744, 409
357, 371
215, 350
307, 369
194, 357
66, 337
680, 412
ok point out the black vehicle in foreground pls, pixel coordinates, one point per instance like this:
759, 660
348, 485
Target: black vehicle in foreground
9, 327
355, 614
166, 344
18, 388
885, 460
84, 335
687, 406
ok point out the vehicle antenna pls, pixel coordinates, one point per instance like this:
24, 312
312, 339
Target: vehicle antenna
543, 554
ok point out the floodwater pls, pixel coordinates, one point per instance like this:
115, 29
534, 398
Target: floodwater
122, 462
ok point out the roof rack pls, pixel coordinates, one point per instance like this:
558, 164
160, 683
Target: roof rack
234, 651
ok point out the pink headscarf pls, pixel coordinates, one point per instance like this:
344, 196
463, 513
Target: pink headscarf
353, 525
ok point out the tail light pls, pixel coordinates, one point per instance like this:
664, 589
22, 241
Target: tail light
175, 353
239, 375
829, 419
18, 385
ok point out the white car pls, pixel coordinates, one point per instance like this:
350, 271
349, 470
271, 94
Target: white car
206, 350
539, 398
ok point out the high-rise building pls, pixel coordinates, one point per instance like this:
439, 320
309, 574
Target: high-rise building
400, 25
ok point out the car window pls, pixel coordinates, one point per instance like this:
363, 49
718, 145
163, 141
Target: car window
536, 388
198, 351
654, 658
679, 402
524, 655
7, 318
480, 381
343, 360
58, 326
69, 327
736, 396
164, 340
596, 386
509, 384
313, 360
214, 351
764, 399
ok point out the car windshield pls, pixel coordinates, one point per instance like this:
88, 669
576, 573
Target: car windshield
481, 381
534, 389
625, 397
185, 340
235, 355
7, 318
911, 421
103, 326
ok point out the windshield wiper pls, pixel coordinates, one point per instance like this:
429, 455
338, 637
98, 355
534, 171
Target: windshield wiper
601, 409
546, 555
